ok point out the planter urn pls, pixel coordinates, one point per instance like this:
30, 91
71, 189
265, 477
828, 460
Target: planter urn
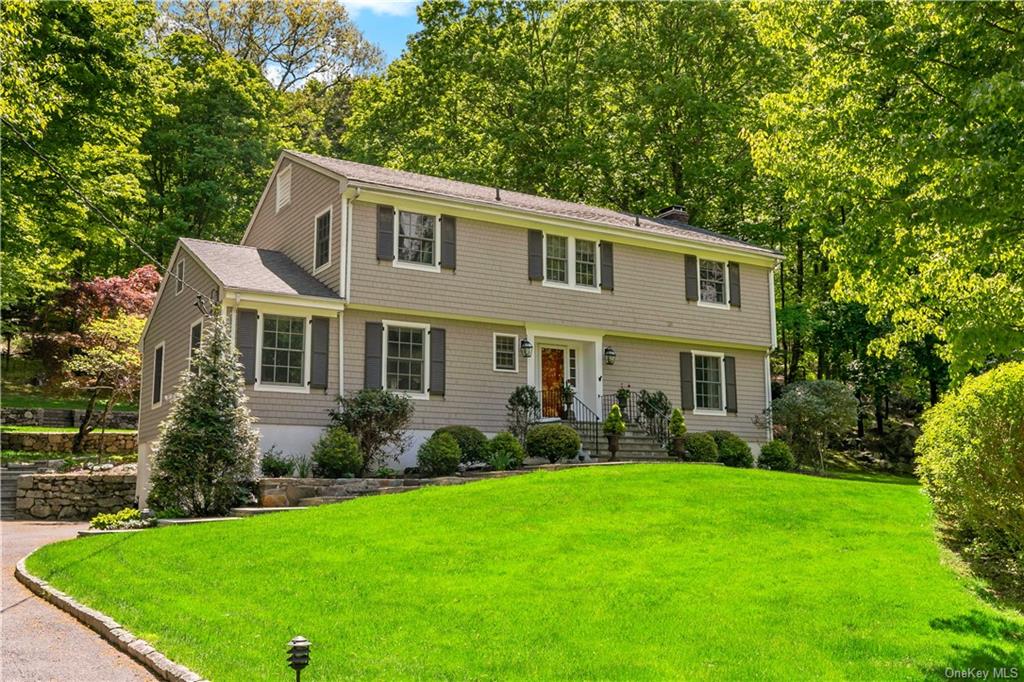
678, 449
613, 443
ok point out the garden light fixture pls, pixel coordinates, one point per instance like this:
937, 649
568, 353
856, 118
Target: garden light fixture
609, 356
298, 655
526, 348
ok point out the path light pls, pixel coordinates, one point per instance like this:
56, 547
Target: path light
298, 655
526, 348
609, 356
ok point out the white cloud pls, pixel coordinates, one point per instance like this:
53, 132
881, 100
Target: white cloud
395, 8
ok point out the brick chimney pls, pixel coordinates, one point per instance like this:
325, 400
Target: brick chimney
675, 214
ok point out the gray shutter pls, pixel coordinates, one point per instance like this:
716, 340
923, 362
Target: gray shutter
686, 379
536, 251
373, 358
245, 342
437, 361
385, 233
607, 267
690, 263
734, 284
448, 242
320, 338
730, 384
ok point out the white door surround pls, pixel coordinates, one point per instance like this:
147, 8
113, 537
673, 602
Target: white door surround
585, 352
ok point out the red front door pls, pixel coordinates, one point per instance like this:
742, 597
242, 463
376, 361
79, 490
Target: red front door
552, 373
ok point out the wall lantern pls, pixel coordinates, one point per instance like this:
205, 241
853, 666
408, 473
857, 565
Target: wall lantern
526, 348
298, 655
609, 356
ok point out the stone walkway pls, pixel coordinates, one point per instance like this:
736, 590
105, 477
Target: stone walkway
41, 642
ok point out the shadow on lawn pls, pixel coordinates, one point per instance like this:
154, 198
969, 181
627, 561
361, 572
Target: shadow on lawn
1003, 650
120, 539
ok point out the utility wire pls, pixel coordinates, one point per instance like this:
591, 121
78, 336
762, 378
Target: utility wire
203, 302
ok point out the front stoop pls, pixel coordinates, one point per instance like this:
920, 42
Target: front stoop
123, 640
636, 446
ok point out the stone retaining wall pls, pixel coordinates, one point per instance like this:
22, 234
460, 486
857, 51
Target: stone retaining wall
73, 497
61, 442
39, 416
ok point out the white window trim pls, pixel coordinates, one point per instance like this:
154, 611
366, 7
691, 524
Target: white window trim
283, 199
307, 343
192, 326
705, 304
179, 276
494, 353
571, 264
163, 365
330, 239
721, 378
425, 395
399, 263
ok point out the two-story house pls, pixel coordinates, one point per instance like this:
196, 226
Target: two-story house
352, 276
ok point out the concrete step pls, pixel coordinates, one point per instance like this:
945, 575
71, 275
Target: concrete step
259, 511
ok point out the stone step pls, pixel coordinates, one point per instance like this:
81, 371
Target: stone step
259, 511
327, 499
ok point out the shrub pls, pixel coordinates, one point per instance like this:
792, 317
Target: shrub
472, 442
553, 442
122, 520
676, 424
523, 408
652, 405
208, 450
505, 452
378, 419
275, 465
439, 455
700, 447
776, 456
337, 455
614, 424
970, 457
812, 412
733, 451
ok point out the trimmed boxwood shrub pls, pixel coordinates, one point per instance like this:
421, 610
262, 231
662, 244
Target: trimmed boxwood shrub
439, 455
472, 442
776, 456
336, 454
700, 447
733, 451
553, 442
505, 452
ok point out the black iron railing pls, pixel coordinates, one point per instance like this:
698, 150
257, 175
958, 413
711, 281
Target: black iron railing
556, 403
641, 410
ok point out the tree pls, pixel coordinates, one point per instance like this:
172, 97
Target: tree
378, 419
109, 363
811, 413
208, 449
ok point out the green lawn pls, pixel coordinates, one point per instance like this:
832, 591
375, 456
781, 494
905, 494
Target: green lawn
18, 392
632, 572
57, 429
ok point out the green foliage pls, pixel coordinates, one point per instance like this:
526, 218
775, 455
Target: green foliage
614, 424
971, 462
653, 405
336, 454
733, 451
439, 455
810, 414
472, 442
378, 419
522, 408
208, 448
275, 464
777, 456
123, 520
553, 442
505, 452
676, 424
700, 447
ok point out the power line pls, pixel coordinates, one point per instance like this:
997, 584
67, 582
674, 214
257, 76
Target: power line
201, 297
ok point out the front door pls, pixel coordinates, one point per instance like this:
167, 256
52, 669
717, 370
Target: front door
552, 374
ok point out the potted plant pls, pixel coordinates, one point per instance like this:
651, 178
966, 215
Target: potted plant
568, 393
676, 431
622, 398
614, 427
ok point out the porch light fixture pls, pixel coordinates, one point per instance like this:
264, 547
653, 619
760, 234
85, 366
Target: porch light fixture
298, 655
526, 348
609, 356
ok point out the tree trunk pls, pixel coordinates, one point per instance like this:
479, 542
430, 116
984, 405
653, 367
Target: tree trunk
879, 414
84, 428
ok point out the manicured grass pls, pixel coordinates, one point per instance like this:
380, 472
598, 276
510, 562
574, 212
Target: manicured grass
631, 572
57, 429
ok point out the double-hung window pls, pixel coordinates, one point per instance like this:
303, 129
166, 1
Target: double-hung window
417, 238
158, 375
406, 367
506, 353
195, 340
557, 259
284, 346
586, 263
322, 240
712, 283
570, 261
179, 276
708, 382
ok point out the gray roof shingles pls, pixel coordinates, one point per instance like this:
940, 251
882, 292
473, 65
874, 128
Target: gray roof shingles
361, 173
261, 270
